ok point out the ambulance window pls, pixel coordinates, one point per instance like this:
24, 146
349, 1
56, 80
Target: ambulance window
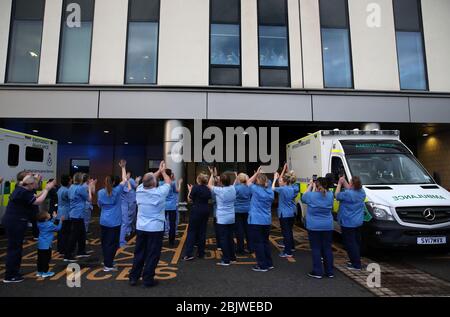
337, 167
34, 154
13, 155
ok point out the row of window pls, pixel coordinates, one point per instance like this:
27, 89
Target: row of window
225, 43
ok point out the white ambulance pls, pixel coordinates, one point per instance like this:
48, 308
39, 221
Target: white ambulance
404, 205
20, 151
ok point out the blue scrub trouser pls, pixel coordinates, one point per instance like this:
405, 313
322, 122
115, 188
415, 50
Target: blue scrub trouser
286, 225
110, 244
225, 233
352, 242
320, 242
171, 223
259, 239
128, 212
87, 218
146, 255
241, 231
15, 233
198, 222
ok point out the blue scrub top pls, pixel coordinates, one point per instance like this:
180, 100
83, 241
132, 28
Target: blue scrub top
78, 196
129, 195
318, 214
351, 208
172, 198
225, 198
151, 214
243, 197
46, 233
286, 201
261, 205
110, 207
63, 203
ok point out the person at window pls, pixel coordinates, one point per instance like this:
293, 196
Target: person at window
225, 199
19, 212
150, 199
241, 207
47, 228
319, 223
79, 195
63, 211
109, 201
260, 219
286, 207
351, 217
199, 195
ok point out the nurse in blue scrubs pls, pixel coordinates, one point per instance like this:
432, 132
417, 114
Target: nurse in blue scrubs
286, 207
319, 223
260, 220
241, 208
109, 202
351, 217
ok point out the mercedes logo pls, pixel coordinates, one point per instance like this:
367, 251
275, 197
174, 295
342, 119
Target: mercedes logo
429, 214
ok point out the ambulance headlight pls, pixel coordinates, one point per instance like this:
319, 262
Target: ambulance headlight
380, 212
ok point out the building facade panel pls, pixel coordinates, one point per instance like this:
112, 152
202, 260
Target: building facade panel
184, 43
430, 110
5, 19
232, 106
50, 42
249, 43
152, 105
436, 26
373, 45
311, 44
360, 108
48, 104
109, 42
295, 45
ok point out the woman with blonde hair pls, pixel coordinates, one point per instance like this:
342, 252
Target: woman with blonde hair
199, 195
260, 220
241, 207
286, 207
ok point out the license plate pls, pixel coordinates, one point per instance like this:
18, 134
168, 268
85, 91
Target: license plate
432, 240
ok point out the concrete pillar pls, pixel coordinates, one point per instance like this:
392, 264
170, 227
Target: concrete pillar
177, 168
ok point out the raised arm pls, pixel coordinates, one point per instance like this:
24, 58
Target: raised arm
252, 179
41, 198
276, 176
123, 165
180, 181
91, 189
211, 177
284, 170
235, 178
339, 186
162, 171
189, 192
311, 186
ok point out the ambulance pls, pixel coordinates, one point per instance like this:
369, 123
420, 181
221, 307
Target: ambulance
404, 205
21, 151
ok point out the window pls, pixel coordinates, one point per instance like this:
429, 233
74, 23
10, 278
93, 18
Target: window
75, 43
34, 154
410, 45
337, 64
337, 168
79, 166
142, 45
13, 155
273, 43
225, 43
25, 41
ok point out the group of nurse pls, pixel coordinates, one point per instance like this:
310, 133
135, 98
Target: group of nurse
319, 222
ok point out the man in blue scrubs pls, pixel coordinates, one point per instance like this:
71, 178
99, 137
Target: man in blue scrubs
150, 226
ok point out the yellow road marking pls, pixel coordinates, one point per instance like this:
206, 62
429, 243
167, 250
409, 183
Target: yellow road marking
177, 255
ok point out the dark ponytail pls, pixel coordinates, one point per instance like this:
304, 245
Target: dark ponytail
323, 185
108, 185
356, 181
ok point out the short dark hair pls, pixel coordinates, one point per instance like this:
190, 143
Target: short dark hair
169, 172
21, 175
42, 216
225, 179
65, 180
356, 181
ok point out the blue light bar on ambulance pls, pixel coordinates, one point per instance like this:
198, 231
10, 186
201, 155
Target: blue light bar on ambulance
359, 132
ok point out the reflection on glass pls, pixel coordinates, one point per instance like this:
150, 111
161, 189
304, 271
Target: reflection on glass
336, 58
25, 52
225, 44
411, 60
273, 47
75, 53
142, 52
